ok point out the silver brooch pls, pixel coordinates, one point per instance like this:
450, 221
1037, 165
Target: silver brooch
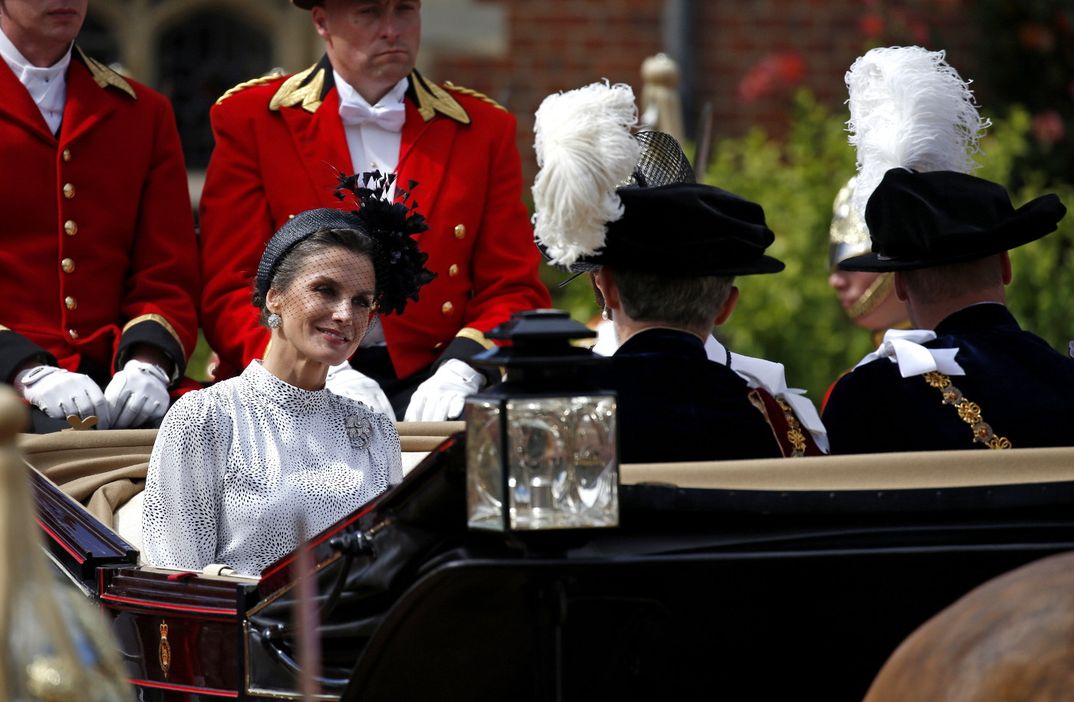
358, 430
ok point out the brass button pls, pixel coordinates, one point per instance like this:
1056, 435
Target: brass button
72, 333
70, 227
460, 231
290, 217
447, 308
69, 191
67, 265
66, 155
453, 270
70, 302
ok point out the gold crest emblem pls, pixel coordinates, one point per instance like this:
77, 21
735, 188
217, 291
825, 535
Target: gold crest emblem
164, 652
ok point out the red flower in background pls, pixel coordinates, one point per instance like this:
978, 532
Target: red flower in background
1048, 127
871, 25
1036, 37
776, 72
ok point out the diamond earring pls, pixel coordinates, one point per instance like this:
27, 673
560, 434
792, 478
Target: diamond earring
606, 314
273, 321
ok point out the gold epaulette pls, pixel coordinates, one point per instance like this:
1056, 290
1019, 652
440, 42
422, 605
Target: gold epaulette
105, 76
268, 77
302, 89
473, 93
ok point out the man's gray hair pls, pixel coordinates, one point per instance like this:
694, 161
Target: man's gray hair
689, 302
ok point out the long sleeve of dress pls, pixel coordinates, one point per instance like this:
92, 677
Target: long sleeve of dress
183, 487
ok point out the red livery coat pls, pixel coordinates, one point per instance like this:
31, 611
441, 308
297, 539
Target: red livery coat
99, 250
279, 146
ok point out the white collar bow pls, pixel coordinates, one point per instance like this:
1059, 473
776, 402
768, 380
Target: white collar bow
904, 348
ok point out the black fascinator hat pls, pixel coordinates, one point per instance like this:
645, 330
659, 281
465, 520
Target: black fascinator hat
921, 220
397, 260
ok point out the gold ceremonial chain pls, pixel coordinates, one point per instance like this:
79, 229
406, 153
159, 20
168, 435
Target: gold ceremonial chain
968, 412
794, 429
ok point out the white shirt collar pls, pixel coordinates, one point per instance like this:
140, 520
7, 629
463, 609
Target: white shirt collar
24, 70
347, 94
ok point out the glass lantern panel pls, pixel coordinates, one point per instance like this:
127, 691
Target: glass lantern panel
562, 462
484, 465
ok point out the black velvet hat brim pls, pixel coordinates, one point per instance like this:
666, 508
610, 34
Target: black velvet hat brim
685, 230
923, 220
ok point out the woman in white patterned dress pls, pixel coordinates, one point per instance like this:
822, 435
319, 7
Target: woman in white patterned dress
243, 470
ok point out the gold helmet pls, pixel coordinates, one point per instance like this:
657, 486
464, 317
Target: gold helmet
848, 235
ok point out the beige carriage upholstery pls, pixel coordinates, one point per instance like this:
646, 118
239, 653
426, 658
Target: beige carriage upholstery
105, 470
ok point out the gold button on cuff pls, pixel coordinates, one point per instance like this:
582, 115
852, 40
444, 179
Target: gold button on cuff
66, 155
72, 333
460, 231
452, 270
67, 265
447, 308
70, 227
68, 191
70, 302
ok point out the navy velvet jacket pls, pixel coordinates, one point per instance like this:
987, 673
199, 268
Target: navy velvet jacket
1023, 387
676, 405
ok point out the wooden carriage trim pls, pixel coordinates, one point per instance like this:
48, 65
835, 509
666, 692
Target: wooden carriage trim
149, 604
184, 688
61, 541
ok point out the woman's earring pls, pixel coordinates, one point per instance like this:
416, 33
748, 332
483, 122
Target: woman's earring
606, 314
273, 321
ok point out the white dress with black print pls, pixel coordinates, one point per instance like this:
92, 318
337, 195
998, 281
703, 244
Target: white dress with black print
236, 466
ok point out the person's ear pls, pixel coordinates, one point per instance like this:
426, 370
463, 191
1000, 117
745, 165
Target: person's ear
604, 279
900, 287
1005, 262
272, 297
320, 21
728, 306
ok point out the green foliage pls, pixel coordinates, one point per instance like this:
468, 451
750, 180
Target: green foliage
794, 317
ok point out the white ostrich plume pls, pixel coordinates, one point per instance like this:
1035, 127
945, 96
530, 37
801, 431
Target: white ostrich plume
585, 150
909, 108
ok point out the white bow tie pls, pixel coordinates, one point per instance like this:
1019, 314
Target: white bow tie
903, 347
389, 117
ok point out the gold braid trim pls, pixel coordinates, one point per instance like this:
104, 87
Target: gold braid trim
475, 335
267, 78
473, 93
162, 322
968, 412
302, 89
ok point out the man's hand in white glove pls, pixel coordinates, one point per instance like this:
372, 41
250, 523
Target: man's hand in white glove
344, 380
59, 393
444, 394
137, 394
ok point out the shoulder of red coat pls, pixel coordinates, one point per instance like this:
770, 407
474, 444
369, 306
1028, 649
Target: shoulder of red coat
273, 76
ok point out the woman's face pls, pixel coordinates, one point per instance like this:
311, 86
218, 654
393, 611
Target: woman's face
327, 308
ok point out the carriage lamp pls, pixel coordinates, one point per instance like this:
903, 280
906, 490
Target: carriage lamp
541, 447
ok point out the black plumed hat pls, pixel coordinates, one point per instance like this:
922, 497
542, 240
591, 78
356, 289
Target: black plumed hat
685, 230
921, 220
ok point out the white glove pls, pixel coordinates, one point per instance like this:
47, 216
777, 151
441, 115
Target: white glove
344, 380
444, 394
137, 394
59, 393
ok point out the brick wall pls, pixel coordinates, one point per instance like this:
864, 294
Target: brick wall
750, 55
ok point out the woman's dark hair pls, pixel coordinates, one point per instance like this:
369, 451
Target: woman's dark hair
380, 228
290, 263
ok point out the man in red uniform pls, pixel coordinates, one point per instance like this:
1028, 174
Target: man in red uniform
98, 268
280, 144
